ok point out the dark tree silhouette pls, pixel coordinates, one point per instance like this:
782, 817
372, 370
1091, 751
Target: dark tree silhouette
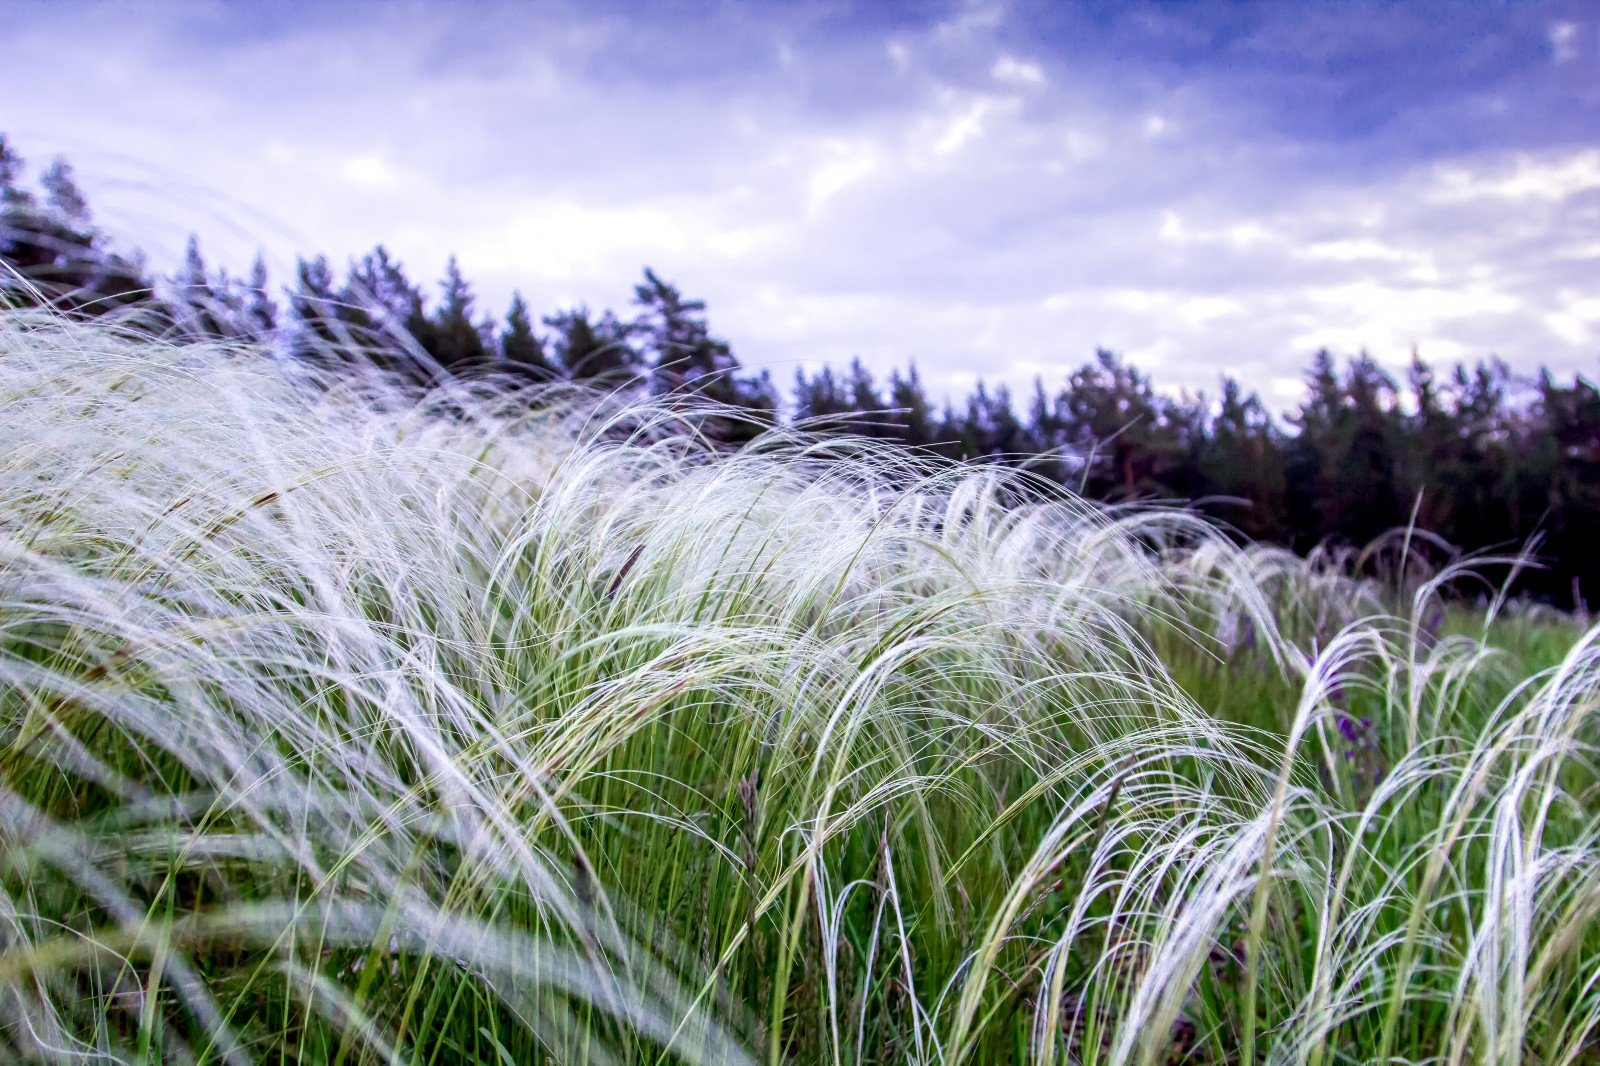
1479, 456
522, 352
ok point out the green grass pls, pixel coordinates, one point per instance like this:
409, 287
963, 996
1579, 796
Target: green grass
338, 725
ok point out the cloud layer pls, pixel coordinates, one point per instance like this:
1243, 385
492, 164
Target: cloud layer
990, 189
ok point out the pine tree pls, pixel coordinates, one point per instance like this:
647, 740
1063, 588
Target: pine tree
59, 254
1315, 453
521, 349
11, 165
949, 441
822, 404
757, 411
19, 223
319, 335
866, 406
1371, 479
688, 360
123, 282
1048, 435
1568, 450
911, 413
378, 284
200, 305
63, 197
686, 357
384, 320
762, 400
57, 247
1240, 465
260, 311
1489, 497
1010, 437
1123, 440
456, 343
991, 428
1343, 473
596, 353
17, 206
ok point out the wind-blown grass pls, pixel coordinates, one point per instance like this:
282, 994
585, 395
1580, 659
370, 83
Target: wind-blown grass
338, 724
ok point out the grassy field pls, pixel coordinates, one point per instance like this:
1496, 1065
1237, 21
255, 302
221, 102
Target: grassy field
339, 726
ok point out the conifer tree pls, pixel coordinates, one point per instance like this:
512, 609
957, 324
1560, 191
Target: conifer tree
378, 284
56, 245
1562, 458
11, 165
57, 252
200, 306
384, 315
598, 353
685, 356
314, 305
123, 282
522, 351
822, 404
949, 440
866, 406
1123, 439
1343, 470
688, 360
63, 197
260, 310
1240, 465
456, 342
911, 412
18, 223
1486, 482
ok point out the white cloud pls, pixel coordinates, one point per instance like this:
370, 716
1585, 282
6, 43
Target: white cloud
1192, 309
1250, 232
965, 126
1569, 328
1563, 41
564, 239
1245, 233
1554, 177
368, 170
847, 163
1082, 146
1355, 249
912, 197
1013, 71
1131, 299
1203, 309
1418, 306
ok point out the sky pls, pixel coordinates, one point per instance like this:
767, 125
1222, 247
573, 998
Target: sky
989, 188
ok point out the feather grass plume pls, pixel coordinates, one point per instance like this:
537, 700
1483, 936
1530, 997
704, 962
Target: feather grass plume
343, 723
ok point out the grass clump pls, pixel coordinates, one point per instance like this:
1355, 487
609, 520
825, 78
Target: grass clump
342, 724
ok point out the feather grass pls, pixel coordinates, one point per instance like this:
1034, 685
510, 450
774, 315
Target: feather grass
344, 723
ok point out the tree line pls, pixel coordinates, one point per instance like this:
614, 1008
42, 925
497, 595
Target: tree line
1481, 457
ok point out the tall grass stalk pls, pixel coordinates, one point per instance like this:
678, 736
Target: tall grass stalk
342, 723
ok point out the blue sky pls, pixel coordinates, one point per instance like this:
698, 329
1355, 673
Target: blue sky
990, 188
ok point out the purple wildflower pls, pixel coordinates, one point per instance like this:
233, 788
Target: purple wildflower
1362, 751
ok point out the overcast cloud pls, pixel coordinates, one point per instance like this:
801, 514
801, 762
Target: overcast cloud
988, 188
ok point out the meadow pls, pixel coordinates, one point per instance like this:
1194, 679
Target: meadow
344, 724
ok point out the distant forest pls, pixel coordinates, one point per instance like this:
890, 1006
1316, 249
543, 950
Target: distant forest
1485, 459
